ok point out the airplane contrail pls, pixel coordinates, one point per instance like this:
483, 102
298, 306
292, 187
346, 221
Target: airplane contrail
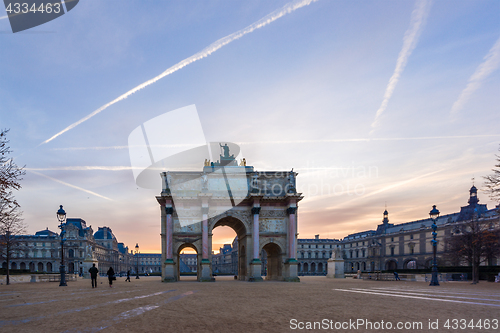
451, 137
84, 168
73, 186
488, 66
288, 8
410, 39
3, 17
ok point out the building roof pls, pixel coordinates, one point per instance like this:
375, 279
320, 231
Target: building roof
45, 233
104, 233
122, 248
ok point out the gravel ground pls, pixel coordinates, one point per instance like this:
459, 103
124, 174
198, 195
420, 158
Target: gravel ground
147, 305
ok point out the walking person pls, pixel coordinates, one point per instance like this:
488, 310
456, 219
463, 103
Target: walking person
128, 276
93, 275
111, 276
396, 276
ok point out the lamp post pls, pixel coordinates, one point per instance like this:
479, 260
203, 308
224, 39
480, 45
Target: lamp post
137, 255
61, 216
434, 214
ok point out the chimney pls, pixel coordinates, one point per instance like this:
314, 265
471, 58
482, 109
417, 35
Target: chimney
316, 236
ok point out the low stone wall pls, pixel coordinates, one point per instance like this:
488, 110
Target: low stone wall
36, 278
443, 277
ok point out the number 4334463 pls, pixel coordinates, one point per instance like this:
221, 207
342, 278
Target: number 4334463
24, 8
478, 324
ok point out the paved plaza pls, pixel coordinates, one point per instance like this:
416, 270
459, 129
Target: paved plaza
338, 305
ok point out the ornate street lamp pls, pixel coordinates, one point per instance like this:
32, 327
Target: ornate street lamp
137, 255
61, 216
434, 214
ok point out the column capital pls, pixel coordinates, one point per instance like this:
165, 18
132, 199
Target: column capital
255, 210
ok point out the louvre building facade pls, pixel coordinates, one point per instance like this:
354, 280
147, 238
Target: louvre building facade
408, 245
41, 252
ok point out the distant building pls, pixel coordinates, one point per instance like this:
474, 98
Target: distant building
191, 262
408, 245
313, 255
148, 263
222, 262
42, 252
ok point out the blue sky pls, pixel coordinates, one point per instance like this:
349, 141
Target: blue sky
301, 92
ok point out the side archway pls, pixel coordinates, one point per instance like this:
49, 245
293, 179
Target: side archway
274, 264
410, 264
391, 265
178, 252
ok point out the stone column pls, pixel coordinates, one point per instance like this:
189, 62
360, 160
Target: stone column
206, 275
291, 269
169, 232
292, 253
163, 234
204, 231
256, 263
169, 271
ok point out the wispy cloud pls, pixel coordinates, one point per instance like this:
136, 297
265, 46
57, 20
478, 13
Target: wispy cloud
83, 168
410, 39
489, 65
187, 145
3, 17
287, 9
449, 137
70, 185
383, 189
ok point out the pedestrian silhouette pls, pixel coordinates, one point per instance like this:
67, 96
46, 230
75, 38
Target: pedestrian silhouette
128, 276
93, 275
111, 276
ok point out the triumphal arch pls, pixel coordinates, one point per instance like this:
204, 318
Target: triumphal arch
261, 207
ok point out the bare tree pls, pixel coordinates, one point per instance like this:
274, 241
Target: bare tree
476, 243
11, 226
492, 182
11, 223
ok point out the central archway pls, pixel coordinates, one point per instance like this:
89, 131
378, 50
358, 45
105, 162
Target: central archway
241, 234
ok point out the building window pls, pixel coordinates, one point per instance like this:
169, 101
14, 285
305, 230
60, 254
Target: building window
411, 236
392, 239
392, 250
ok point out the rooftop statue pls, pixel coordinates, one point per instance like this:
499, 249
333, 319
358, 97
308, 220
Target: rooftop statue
226, 150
